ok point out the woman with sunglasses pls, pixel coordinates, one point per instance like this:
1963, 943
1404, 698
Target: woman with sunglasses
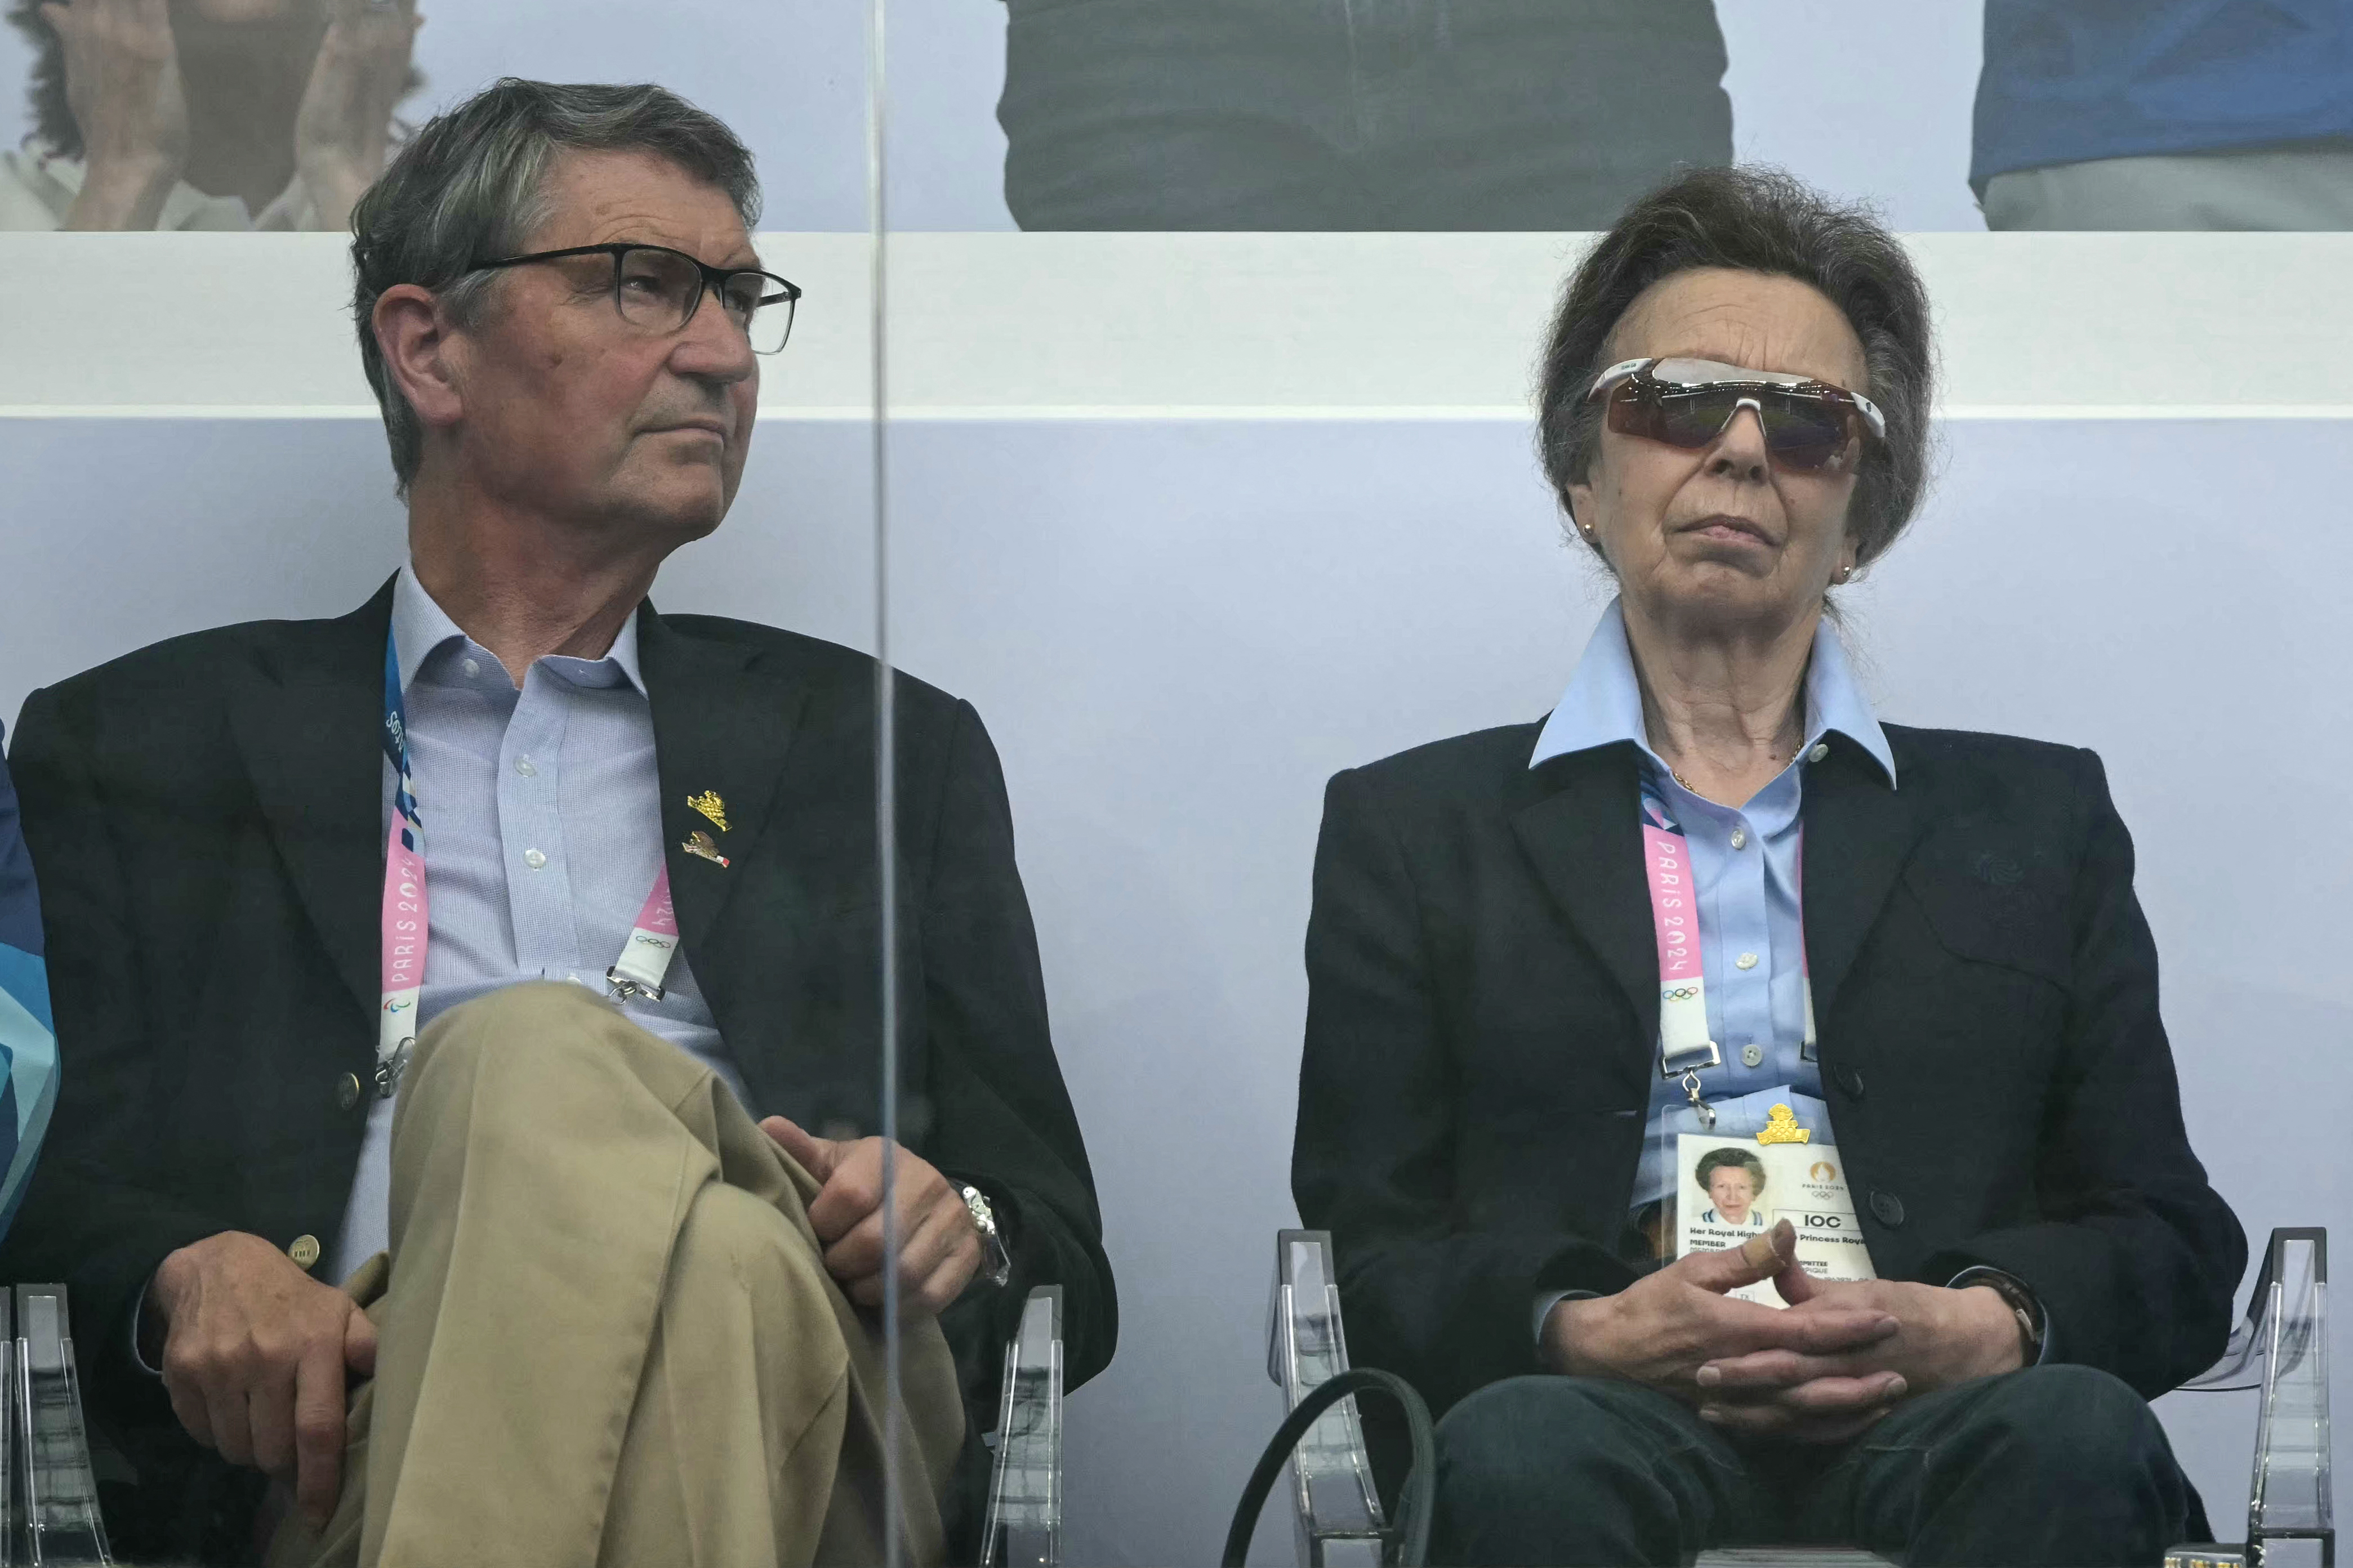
1711, 900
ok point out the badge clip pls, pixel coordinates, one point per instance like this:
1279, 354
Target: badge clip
627, 990
388, 1070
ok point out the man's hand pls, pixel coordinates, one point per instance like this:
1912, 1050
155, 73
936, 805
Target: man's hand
939, 1244
1665, 1328
123, 83
1943, 1337
254, 1353
345, 126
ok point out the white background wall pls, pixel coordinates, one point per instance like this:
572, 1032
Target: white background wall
1862, 100
1177, 630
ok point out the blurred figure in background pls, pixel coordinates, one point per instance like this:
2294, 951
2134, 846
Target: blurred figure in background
2166, 114
29, 1045
1354, 115
206, 114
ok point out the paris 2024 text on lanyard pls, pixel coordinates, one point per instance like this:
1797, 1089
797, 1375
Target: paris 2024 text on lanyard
639, 972
1728, 1189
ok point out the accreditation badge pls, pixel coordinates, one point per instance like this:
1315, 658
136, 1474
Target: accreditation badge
1731, 1188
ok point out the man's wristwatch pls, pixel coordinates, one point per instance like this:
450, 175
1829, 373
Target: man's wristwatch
996, 1263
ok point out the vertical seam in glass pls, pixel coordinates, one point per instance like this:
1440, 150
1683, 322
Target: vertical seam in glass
886, 857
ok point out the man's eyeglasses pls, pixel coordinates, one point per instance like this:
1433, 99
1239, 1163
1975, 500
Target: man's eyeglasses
1811, 427
659, 289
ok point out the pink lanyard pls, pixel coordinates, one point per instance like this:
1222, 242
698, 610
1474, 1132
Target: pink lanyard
1684, 1047
408, 928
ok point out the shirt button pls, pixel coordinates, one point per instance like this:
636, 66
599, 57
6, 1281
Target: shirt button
1740, 839
472, 669
533, 858
1752, 1055
526, 767
1821, 749
1746, 960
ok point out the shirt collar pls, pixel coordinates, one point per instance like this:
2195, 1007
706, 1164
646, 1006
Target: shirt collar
421, 627
1603, 703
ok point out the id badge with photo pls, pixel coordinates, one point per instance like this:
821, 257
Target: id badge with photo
1730, 1188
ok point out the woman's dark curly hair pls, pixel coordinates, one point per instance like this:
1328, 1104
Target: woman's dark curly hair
1754, 219
53, 120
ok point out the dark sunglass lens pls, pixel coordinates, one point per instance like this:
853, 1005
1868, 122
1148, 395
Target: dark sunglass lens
1805, 432
1691, 420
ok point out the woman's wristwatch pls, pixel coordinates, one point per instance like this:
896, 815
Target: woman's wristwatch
996, 1263
2021, 1302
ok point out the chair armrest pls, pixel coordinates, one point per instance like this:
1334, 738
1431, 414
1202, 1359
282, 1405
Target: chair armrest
2282, 1349
1024, 1524
1338, 1506
56, 1489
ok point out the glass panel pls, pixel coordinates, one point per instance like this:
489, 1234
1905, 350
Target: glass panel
192, 452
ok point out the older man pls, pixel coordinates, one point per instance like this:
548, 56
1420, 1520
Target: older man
621, 867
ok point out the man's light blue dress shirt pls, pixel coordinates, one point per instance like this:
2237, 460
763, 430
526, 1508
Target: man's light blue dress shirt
1745, 866
542, 835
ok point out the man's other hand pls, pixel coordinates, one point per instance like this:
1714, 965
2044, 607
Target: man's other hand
939, 1244
1663, 1329
254, 1356
1943, 1337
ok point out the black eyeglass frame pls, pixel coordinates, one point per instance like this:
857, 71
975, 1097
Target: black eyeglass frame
714, 279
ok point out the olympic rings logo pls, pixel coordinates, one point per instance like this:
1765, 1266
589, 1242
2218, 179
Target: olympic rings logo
1679, 993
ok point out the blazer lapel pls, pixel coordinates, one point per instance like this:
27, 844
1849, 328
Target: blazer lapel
723, 727
1580, 824
1859, 833
305, 718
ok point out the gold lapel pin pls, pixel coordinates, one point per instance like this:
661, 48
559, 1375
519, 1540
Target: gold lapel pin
699, 844
710, 805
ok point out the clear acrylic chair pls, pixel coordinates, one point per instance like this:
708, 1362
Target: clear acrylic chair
53, 1515
1333, 1500
1024, 1527
2281, 1348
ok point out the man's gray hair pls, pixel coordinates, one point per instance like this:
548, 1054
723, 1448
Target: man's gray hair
468, 187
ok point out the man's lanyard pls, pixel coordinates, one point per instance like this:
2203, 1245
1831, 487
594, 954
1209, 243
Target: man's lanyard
639, 972
1685, 1049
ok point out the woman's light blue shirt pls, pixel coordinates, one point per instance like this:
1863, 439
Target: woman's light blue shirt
1745, 863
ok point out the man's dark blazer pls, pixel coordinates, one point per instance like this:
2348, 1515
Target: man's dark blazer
1483, 1027
206, 818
